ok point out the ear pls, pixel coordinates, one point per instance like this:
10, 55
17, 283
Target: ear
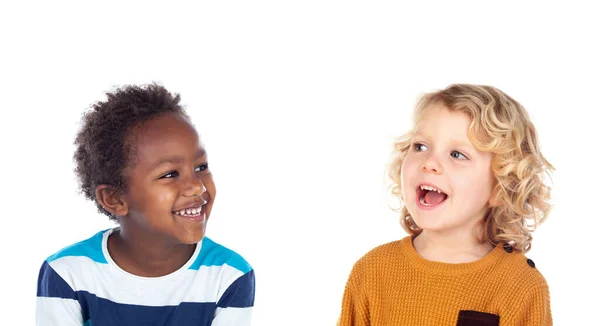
112, 200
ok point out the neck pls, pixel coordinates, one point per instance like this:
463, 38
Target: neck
452, 246
146, 255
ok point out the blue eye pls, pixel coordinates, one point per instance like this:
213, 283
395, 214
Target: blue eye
419, 147
458, 155
201, 167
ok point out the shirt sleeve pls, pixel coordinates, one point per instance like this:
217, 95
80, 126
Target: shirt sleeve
235, 306
355, 306
56, 301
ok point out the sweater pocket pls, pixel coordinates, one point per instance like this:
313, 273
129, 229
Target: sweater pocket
477, 318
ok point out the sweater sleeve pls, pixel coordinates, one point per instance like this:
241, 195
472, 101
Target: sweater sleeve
532, 310
355, 305
56, 301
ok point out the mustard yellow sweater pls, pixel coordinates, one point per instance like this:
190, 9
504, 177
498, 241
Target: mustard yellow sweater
394, 285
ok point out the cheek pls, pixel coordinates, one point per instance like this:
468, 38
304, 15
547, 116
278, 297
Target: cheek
162, 196
472, 183
406, 174
209, 184
409, 166
464, 183
488, 185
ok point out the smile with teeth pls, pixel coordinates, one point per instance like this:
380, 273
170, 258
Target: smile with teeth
430, 189
189, 212
430, 196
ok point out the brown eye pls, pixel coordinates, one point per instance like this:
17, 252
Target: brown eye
202, 167
419, 147
169, 175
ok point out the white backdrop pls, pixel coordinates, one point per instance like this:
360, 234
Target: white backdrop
297, 103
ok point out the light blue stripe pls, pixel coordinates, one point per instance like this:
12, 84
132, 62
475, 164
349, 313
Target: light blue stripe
88, 323
91, 248
214, 254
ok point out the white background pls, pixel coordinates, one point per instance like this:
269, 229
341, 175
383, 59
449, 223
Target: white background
297, 103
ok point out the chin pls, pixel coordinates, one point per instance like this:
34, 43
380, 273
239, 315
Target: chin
191, 236
189, 240
428, 224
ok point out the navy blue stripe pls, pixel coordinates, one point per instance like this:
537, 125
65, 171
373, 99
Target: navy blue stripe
86, 301
100, 311
50, 284
240, 294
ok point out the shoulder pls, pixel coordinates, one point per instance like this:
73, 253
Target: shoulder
388, 250
79, 261
521, 272
524, 296
90, 248
382, 254
215, 254
235, 276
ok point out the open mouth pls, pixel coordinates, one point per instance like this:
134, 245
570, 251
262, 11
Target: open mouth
429, 196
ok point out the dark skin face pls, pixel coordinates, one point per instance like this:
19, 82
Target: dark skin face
169, 173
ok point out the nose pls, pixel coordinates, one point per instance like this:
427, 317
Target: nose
194, 187
431, 164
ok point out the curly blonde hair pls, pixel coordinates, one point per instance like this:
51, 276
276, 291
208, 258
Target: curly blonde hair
501, 126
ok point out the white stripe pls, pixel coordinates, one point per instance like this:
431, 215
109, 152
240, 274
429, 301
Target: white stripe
232, 317
104, 280
58, 312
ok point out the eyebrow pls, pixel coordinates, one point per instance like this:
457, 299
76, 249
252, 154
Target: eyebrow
458, 143
416, 133
461, 143
201, 152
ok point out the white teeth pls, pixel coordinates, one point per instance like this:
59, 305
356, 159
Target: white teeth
189, 211
424, 187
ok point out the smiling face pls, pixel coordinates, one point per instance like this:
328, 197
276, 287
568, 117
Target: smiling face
170, 190
446, 182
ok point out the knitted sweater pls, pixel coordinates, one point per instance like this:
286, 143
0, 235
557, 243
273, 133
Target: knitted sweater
394, 285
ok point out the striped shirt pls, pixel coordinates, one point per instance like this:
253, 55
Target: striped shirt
82, 285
